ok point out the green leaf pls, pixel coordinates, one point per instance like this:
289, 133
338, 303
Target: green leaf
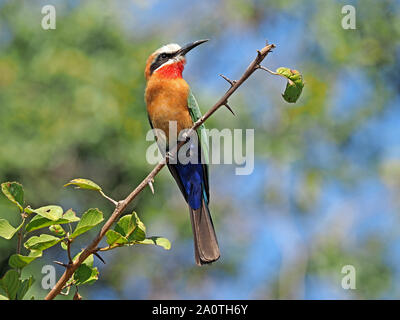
294, 86
14, 192
162, 242
85, 275
19, 261
113, 237
89, 261
89, 219
3, 297
43, 242
131, 227
84, 184
64, 246
57, 230
24, 287
10, 283
39, 222
50, 212
139, 233
7, 231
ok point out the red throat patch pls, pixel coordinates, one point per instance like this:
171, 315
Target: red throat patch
172, 71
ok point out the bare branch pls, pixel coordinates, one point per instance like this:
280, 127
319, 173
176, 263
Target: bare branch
121, 205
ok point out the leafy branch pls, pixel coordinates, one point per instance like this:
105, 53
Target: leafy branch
129, 229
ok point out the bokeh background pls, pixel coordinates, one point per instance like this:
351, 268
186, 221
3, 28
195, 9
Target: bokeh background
326, 186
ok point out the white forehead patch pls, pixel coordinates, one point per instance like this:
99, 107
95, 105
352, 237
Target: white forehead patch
169, 48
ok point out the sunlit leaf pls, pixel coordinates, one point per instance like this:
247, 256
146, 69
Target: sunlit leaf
63, 245
38, 221
131, 227
20, 261
14, 192
43, 242
50, 212
294, 86
113, 237
7, 231
84, 184
89, 219
159, 241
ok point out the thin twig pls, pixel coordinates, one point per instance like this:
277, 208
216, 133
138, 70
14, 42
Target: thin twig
20, 233
270, 71
121, 205
19, 241
108, 198
69, 241
67, 292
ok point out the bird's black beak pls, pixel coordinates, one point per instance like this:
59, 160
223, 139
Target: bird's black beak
185, 49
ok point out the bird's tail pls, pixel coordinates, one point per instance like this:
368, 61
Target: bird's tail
206, 249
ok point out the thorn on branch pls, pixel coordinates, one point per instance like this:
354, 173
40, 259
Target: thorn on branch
231, 82
98, 256
150, 183
229, 108
61, 264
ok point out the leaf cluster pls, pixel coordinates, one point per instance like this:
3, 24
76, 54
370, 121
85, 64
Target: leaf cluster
54, 226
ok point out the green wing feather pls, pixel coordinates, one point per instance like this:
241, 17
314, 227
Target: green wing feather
195, 113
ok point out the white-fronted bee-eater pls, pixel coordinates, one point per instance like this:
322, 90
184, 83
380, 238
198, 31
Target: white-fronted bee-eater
169, 99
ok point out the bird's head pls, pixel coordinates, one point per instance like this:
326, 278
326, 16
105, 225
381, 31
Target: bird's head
169, 60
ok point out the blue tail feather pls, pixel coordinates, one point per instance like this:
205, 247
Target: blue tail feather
192, 178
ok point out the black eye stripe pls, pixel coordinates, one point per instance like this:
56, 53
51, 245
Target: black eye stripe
161, 59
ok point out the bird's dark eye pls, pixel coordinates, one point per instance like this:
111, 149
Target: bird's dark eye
163, 55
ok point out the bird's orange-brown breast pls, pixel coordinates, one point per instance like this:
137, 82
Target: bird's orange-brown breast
167, 100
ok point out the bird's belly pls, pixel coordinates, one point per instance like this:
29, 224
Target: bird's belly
166, 119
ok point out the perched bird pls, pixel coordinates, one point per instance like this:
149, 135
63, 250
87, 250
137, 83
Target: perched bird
169, 98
